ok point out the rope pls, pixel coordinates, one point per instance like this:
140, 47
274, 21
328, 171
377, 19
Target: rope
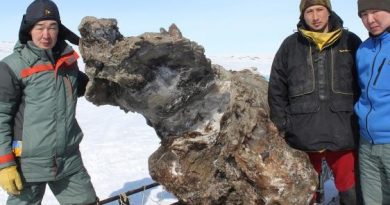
124, 195
123, 200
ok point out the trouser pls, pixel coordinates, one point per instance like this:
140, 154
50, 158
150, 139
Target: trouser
75, 189
342, 164
374, 163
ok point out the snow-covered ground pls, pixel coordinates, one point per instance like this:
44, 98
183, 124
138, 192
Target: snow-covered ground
260, 63
117, 145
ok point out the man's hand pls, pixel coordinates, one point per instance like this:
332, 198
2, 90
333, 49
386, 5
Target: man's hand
10, 180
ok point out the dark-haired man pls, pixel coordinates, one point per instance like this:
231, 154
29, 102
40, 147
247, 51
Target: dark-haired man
373, 107
39, 134
312, 90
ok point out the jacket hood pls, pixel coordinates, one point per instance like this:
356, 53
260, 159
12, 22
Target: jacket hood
335, 22
40, 10
63, 34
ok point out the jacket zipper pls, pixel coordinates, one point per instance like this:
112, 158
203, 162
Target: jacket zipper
368, 89
55, 170
379, 71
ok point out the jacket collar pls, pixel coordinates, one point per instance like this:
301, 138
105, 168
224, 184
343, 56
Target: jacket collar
322, 40
31, 53
383, 35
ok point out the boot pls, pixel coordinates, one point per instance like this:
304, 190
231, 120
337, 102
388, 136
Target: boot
348, 197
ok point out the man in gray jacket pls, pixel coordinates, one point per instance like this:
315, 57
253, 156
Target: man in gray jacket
39, 135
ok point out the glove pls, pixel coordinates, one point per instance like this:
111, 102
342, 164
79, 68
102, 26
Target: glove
10, 180
82, 81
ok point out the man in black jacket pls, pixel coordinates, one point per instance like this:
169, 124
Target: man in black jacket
312, 90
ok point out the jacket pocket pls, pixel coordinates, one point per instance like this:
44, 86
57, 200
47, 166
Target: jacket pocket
381, 80
38, 168
342, 106
300, 80
298, 112
344, 74
303, 108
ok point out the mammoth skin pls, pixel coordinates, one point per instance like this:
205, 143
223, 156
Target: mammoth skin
218, 145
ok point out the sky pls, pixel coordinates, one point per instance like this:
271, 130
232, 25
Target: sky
220, 26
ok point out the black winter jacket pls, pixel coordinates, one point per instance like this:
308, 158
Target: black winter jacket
311, 93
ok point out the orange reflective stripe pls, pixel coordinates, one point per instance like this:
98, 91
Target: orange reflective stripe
6, 158
35, 69
68, 59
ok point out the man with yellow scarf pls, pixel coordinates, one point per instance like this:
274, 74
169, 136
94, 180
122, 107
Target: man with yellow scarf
312, 90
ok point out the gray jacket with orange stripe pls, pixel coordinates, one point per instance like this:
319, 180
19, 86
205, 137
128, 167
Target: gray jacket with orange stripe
38, 96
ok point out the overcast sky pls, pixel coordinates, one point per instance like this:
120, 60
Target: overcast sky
221, 26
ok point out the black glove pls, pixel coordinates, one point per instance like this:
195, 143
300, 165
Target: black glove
82, 81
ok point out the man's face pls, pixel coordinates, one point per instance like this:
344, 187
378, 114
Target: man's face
44, 34
317, 18
375, 21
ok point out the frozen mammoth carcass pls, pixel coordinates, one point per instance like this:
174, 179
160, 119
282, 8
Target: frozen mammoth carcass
218, 145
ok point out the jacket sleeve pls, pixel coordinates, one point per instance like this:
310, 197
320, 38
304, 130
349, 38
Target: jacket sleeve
354, 42
277, 89
10, 91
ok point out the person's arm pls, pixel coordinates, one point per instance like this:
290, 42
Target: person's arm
10, 91
9, 100
277, 89
353, 43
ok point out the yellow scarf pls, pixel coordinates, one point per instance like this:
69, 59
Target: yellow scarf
322, 40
